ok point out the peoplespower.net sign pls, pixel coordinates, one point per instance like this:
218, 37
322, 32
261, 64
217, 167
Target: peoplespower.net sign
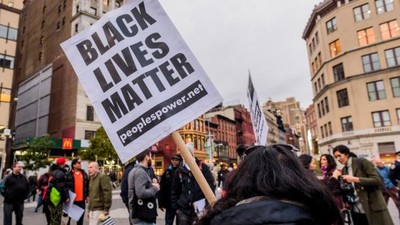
139, 74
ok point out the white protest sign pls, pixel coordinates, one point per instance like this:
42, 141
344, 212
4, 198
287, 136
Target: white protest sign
260, 125
139, 74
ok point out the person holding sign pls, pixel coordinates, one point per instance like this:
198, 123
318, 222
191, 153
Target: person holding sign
186, 196
272, 187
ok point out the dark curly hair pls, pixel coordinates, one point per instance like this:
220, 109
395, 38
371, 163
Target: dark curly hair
276, 172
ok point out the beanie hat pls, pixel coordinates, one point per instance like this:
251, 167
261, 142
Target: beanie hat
61, 161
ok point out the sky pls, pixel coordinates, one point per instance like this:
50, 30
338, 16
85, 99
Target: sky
232, 37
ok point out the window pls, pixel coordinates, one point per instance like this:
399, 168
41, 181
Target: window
76, 28
343, 98
316, 38
93, 11
322, 131
338, 72
89, 134
389, 30
335, 49
43, 24
362, 12
40, 56
347, 124
6, 61
326, 130
366, 36
319, 110
392, 56
398, 115
323, 107
383, 6
371, 62
323, 80
89, 113
8, 33
315, 87
319, 83
44, 10
376, 90
331, 25
319, 59
326, 104
395, 86
381, 118
330, 128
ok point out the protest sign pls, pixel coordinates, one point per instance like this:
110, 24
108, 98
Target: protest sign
260, 125
139, 74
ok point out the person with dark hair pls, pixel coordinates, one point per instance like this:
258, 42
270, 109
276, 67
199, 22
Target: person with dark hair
164, 196
328, 165
186, 196
14, 189
308, 162
141, 188
32, 182
77, 181
124, 185
271, 186
369, 207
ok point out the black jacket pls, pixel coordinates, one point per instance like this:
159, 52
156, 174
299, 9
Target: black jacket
124, 183
164, 196
394, 174
70, 182
58, 181
16, 188
185, 189
265, 212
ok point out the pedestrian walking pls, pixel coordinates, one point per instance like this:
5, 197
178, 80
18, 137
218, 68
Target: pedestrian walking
14, 189
164, 196
394, 176
100, 194
32, 182
369, 207
77, 181
57, 182
222, 174
142, 192
43, 184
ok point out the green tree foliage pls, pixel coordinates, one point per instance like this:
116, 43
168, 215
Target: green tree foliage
100, 147
36, 155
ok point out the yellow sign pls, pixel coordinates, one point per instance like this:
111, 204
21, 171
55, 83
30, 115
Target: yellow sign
67, 143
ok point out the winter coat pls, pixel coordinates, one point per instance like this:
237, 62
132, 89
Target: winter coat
100, 193
58, 182
124, 184
164, 196
265, 212
15, 188
70, 182
369, 193
394, 173
185, 190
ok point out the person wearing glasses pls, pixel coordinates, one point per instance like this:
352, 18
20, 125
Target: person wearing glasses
369, 207
77, 181
271, 186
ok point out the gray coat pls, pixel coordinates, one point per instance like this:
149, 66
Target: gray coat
139, 182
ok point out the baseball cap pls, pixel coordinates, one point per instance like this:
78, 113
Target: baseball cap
61, 161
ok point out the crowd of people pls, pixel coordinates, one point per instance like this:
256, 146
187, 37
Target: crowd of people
271, 185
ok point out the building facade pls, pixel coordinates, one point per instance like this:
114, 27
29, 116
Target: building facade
50, 98
354, 56
293, 116
10, 11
